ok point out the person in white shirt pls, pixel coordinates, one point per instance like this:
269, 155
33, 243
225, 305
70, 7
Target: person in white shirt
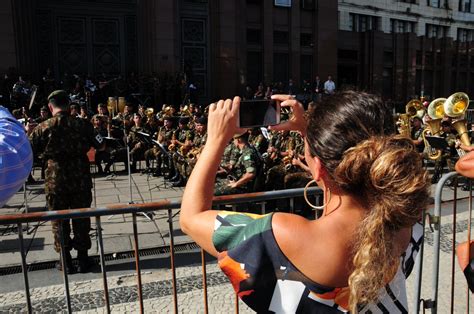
329, 86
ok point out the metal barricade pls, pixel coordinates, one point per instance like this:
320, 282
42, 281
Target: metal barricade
116, 209
451, 291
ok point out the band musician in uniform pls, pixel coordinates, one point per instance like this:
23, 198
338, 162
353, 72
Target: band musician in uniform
64, 142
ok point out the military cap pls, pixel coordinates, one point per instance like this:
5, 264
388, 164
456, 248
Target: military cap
238, 135
183, 120
59, 97
167, 117
102, 105
202, 120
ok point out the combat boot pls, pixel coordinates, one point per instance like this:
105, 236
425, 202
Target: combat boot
84, 262
70, 269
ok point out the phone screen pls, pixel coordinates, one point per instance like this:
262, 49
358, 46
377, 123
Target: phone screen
256, 113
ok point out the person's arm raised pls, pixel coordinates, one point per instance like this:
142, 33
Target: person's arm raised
297, 122
196, 218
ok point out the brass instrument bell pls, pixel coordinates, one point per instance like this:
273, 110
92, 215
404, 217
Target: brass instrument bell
456, 105
414, 108
149, 112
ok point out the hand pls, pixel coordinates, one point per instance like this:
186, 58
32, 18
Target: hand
297, 122
222, 121
232, 184
30, 126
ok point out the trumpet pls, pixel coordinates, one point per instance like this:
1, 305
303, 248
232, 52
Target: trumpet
193, 153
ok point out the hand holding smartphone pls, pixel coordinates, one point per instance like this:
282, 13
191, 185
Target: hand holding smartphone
258, 113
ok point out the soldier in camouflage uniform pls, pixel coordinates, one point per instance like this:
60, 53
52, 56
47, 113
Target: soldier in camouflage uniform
135, 142
229, 159
257, 140
194, 146
276, 169
163, 136
183, 134
242, 176
64, 142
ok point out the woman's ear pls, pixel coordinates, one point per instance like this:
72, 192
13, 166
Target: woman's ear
318, 169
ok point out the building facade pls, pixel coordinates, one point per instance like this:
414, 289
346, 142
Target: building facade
399, 49
404, 49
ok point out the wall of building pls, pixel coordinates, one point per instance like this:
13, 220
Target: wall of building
420, 13
7, 37
404, 66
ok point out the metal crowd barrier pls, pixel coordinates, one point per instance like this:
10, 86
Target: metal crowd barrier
449, 180
230, 200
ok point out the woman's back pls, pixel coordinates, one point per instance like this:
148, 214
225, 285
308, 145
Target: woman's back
273, 277
323, 249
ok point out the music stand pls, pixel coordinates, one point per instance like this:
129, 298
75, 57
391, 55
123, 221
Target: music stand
437, 142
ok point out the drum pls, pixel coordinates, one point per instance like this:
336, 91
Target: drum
112, 105
121, 104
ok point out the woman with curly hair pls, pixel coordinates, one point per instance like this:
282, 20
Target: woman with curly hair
357, 255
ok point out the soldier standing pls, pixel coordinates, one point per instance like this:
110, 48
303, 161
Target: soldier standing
64, 142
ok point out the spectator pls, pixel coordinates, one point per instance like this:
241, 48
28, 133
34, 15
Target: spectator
329, 86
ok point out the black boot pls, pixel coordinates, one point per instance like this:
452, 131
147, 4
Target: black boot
177, 177
84, 262
70, 269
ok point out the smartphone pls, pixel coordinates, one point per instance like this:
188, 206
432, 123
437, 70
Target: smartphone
257, 113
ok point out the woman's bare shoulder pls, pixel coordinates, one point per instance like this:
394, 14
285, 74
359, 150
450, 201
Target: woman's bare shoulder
307, 243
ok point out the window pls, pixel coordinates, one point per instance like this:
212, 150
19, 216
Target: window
362, 23
280, 38
401, 26
436, 31
306, 67
437, 3
283, 3
254, 36
465, 35
280, 67
254, 68
306, 40
347, 54
466, 6
307, 4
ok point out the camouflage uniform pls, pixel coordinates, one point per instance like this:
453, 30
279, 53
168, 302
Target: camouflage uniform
259, 142
64, 142
276, 173
136, 152
247, 162
179, 161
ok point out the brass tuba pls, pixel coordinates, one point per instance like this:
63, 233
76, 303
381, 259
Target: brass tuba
455, 107
149, 112
414, 108
436, 113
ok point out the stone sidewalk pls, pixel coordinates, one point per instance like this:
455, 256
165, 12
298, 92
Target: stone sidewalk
117, 229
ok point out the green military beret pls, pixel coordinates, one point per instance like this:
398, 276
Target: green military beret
60, 97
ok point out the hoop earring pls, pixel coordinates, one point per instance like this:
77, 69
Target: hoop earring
305, 193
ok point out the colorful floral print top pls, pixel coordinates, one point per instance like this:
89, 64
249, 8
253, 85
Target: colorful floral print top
268, 282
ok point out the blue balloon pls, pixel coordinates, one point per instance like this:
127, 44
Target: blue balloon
16, 157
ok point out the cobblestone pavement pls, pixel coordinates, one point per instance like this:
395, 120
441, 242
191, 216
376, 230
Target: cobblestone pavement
157, 294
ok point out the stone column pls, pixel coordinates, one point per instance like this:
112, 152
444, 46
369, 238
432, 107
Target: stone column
24, 12
326, 36
7, 37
